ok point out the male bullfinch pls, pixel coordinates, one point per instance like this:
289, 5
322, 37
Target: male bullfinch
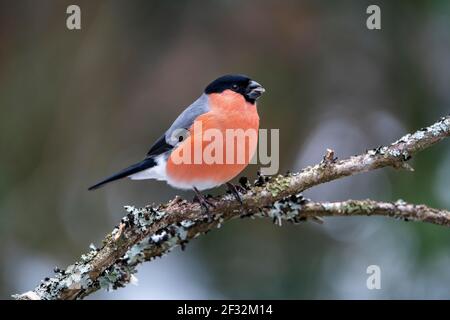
227, 104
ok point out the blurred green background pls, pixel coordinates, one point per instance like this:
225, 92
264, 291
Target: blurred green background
76, 106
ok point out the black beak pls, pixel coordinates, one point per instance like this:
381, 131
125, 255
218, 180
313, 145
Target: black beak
254, 90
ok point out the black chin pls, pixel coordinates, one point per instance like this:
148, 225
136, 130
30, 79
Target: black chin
252, 96
249, 99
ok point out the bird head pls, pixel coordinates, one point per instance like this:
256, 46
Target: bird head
241, 84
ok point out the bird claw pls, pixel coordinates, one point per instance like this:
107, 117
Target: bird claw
235, 190
206, 205
203, 201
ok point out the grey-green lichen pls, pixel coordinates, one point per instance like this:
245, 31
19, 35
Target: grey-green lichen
162, 241
392, 151
440, 128
277, 185
360, 207
75, 277
157, 244
116, 276
286, 209
142, 217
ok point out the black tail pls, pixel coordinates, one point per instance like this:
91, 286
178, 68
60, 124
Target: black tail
144, 164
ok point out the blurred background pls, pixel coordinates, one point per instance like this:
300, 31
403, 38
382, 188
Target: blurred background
76, 106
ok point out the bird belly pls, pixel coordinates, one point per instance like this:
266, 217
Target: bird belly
212, 163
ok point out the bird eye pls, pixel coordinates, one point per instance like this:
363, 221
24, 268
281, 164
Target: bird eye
234, 86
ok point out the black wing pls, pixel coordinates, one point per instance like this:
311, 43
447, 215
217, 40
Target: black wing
159, 147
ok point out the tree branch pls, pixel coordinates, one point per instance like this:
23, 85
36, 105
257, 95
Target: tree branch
150, 232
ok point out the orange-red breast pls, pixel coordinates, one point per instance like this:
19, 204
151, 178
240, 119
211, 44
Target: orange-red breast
227, 106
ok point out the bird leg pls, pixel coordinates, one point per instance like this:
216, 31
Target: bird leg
205, 203
234, 190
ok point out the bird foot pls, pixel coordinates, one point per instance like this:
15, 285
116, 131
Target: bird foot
204, 202
236, 190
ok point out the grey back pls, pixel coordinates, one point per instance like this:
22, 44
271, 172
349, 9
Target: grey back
187, 118
179, 127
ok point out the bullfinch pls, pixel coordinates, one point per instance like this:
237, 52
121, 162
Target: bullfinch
228, 104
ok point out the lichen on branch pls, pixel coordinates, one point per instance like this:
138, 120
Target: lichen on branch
149, 232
